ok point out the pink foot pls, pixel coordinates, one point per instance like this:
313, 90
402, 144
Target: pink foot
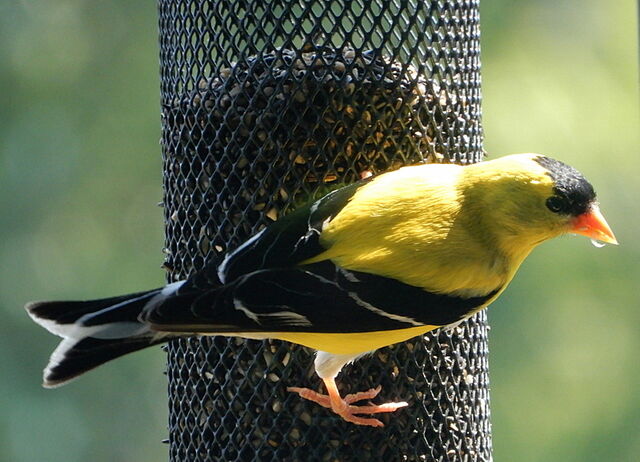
344, 408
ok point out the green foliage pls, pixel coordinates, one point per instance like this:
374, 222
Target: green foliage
80, 175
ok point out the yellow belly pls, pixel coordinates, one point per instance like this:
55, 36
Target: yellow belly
353, 343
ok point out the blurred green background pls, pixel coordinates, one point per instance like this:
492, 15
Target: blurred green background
80, 178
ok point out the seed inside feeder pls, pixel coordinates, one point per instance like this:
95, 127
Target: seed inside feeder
297, 122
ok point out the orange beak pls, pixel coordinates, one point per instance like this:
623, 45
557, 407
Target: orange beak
592, 224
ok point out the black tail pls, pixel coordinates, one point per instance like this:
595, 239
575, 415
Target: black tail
94, 332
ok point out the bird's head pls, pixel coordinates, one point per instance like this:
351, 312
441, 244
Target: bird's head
533, 198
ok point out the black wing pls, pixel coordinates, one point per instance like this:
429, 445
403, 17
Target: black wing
315, 298
288, 241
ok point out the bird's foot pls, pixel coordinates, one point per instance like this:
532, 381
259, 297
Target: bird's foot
344, 406
325, 400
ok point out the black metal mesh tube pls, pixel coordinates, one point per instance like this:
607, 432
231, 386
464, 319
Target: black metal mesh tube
266, 104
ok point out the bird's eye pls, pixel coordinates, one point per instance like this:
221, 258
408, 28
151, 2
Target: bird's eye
556, 204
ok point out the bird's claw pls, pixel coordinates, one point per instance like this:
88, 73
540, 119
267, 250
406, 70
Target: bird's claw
344, 407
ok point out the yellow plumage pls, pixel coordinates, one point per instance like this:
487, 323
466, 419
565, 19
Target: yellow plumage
351, 343
439, 227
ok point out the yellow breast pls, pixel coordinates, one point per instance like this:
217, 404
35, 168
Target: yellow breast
409, 226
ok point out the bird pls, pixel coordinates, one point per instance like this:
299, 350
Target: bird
370, 264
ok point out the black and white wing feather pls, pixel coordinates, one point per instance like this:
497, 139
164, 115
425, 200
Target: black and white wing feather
321, 298
290, 240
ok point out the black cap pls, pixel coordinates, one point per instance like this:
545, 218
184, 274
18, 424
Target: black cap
573, 194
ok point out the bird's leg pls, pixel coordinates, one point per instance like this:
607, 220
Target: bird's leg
343, 406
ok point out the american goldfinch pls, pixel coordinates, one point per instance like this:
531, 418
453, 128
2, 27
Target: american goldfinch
368, 265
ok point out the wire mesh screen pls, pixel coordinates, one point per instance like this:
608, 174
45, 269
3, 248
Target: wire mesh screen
267, 104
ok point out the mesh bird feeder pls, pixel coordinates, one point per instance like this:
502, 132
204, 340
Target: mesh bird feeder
266, 105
